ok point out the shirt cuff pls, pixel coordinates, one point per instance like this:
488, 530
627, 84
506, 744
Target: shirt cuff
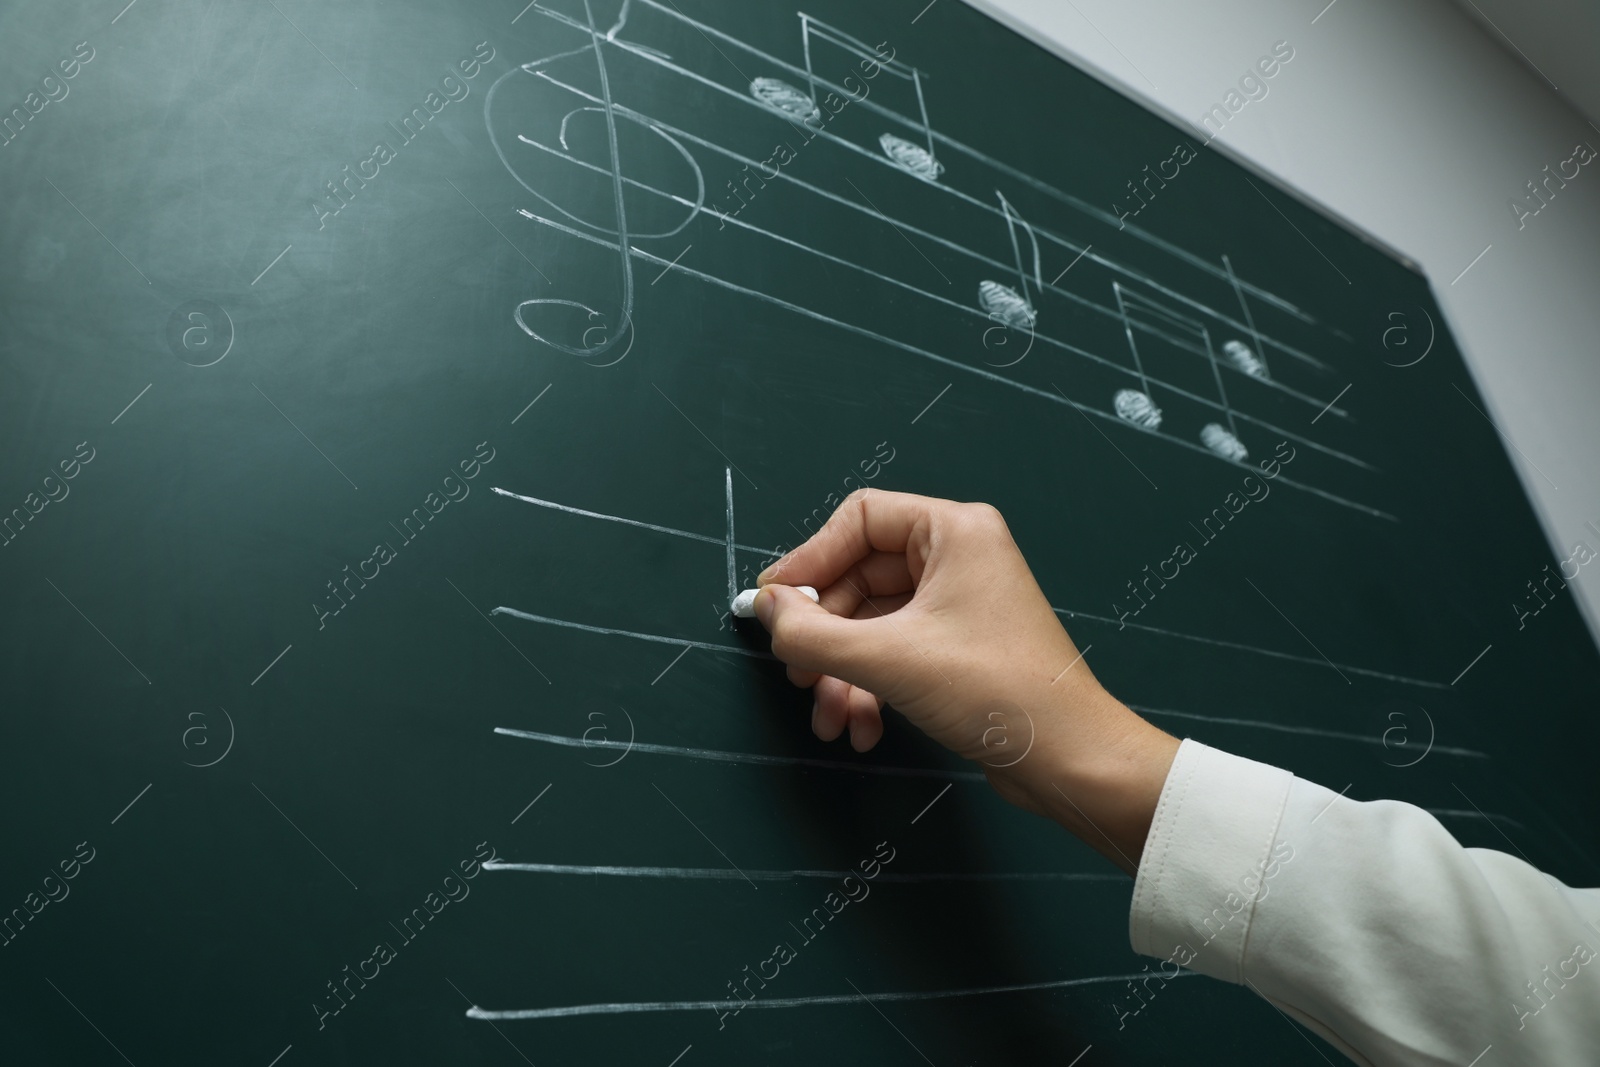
1208, 860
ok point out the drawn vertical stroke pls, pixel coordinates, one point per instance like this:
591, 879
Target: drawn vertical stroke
733, 575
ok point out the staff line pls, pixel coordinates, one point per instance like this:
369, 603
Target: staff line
723, 756
1239, 646
1252, 648
657, 638
1083, 206
910, 228
636, 1007
949, 362
730, 874
635, 522
968, 309
1310, 731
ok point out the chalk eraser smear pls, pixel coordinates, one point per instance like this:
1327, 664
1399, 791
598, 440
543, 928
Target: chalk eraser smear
744, 603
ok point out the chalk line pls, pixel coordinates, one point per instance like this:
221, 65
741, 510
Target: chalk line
729, 874
635, 522
637, 1007
1099, 214
963, 308
679, 132
949, 362
1252, 648
733, 566
745, 757
514, 613
1309, 731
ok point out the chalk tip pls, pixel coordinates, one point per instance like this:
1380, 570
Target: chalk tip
744, 604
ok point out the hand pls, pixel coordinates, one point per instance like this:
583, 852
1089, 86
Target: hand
928, 605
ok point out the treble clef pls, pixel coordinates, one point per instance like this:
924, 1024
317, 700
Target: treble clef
526, 314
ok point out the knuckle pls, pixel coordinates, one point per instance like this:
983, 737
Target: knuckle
787, 636
982, 518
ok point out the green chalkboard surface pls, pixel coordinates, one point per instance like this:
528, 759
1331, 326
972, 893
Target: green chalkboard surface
393, 393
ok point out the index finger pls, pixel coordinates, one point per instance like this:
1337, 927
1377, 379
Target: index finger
868, 520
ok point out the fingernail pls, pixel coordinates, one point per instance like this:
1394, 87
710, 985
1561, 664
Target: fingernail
764, 605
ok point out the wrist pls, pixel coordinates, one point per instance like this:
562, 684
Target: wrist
1098, 771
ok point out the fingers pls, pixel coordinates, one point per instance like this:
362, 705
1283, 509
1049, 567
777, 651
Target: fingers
831, 712
879, 574
808, 637
803, 679
876, 586
868, 520
840, 705
866, 720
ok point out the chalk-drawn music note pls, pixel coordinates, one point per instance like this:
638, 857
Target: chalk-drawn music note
1189, 334
1134, 405
1252, 361
593, 321
699, 132
805, 107
1013, 309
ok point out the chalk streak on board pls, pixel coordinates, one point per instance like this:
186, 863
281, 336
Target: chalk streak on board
745, 757
1309, 731
946, 301
919, 126
998, 379
908, 227
968, 308
635, 522
1251, 648
707, 645
733, 566
1059, 611
638, 1007
729, 874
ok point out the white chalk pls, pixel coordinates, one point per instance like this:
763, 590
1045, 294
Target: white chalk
744, 603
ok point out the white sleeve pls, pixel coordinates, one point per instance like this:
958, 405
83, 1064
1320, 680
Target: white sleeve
1367, 922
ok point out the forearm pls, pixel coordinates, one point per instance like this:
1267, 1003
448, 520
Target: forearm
1097, 769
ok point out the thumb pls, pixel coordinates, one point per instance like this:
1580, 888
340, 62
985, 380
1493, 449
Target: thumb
808, 636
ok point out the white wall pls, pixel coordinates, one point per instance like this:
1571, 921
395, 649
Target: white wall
1417, 124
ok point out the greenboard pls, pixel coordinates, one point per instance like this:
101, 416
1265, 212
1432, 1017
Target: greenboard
291, 289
